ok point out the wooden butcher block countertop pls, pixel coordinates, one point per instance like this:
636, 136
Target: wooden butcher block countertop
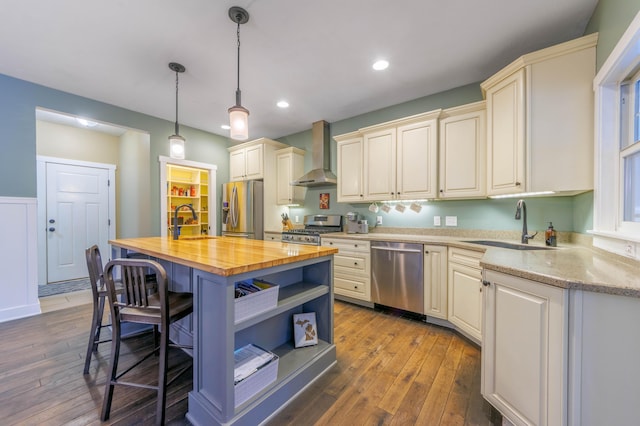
223, 256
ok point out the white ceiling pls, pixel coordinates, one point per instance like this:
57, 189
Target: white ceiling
315, 54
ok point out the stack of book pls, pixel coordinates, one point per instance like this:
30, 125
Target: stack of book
254, 369
254, 296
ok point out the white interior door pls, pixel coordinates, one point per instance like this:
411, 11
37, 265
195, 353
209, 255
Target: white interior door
77, 217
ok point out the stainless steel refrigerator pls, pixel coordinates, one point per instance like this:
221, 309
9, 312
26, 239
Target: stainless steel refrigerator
242, 209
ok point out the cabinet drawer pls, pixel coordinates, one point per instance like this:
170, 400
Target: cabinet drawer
465, 257
352, 263
346, 244
351, 286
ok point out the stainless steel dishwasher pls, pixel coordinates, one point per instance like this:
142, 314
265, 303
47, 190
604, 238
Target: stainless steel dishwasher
396, 275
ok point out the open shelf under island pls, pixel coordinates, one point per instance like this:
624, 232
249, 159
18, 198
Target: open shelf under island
209, 267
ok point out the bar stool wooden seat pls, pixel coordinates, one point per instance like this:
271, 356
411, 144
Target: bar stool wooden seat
159, 309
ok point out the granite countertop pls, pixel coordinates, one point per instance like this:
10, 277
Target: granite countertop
572, 265
223, 256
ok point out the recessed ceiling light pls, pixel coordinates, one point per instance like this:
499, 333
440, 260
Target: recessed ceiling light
380, 65
225, 127
283, 104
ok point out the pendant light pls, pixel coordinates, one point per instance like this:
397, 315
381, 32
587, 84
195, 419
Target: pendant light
176, 142
238, 115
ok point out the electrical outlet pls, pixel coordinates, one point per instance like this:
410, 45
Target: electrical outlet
378, 220
436, 221
451, 220
630, 249
297, 219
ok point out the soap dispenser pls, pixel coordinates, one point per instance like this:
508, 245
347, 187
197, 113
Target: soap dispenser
550, 236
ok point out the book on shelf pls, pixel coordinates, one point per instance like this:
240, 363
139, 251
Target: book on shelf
254, 285
248, 360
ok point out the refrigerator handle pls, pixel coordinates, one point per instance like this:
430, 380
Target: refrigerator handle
234, 207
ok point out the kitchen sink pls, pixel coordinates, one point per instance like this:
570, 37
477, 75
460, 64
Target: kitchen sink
511, 246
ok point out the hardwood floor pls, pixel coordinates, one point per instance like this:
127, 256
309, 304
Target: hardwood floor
391, 371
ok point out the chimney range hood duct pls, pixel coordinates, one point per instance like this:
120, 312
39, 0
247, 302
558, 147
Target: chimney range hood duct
320, 174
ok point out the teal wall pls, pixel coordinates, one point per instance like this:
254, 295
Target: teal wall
18, 102
19, 99
611, 19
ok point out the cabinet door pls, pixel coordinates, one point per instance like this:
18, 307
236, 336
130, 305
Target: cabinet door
284, 193
435, 281
506, 135
380, 165
463, 156
465, 299
289, 166
417, 161
237, 165
524, 349
254, 162
349, 156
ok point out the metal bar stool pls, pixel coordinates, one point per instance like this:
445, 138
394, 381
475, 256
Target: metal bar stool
99, 290
159, 309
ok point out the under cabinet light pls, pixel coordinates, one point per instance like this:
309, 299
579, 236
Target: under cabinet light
522, 194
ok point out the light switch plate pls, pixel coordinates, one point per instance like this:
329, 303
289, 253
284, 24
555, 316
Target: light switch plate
436, 221
378, 220
451, 220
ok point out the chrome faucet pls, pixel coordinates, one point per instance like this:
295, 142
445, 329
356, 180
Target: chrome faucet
175, 218
521, 207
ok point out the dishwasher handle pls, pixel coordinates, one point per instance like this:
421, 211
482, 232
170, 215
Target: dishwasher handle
402, 250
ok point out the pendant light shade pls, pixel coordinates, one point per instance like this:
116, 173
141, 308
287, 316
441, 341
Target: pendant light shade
238, 115
176, 142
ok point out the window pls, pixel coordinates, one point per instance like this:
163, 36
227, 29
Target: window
616, 216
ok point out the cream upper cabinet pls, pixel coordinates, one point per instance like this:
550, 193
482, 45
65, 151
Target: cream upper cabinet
257, 160
524, 349
289, 166
246, 161
462, 152
417, 160
435, 281
349, 162
540, 119
380, 164
401, 158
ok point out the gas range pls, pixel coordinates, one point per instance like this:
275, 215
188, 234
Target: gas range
314, 226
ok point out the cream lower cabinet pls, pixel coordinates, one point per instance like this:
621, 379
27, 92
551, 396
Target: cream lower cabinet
352, 268
524, 349
465, 292
435, 281
272, 236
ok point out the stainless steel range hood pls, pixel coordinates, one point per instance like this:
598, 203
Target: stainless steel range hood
320, 174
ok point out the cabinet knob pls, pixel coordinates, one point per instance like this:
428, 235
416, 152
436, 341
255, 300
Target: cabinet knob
360, 195
355, 287
52, 229
355, 263
330, 243
426, 252
441, 191
355, 245
486, 283
518, 183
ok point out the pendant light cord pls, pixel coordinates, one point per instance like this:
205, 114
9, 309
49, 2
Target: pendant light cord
238, 76
177, 132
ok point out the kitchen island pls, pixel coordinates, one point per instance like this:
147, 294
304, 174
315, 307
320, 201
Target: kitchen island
209, 267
